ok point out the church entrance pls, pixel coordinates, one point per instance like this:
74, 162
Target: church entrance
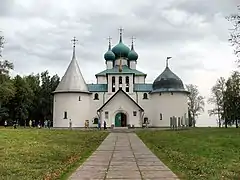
121, 120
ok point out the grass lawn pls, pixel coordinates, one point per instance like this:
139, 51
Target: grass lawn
44, 154
200, 153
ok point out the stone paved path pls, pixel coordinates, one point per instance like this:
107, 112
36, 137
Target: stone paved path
123, 156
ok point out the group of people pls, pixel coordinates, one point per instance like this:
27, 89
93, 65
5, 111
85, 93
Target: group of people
31, 123
46, 124
104, 124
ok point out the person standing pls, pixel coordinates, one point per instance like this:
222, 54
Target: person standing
99, 124
105, 125
49, 124
30, 123
70, 123
5, 123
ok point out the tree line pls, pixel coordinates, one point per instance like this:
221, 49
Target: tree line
225, 93
25, 97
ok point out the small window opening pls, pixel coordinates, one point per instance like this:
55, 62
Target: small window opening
145, 96
96, 97
65, 115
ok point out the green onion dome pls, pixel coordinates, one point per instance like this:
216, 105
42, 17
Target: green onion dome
132, 55
120, 50
109, 55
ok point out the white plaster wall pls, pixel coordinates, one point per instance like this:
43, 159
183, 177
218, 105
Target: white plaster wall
133, 64
109, 64
101, 80
119, 103
139, 79
95, 105
147, 105
169, 105
124, 61
117, 82
77, 111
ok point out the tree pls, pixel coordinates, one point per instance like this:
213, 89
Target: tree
7, 89
21, 103
232, 99
217, 99
195, 102
235, 33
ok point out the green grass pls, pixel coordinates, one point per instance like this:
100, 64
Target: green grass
28, 154
201, 153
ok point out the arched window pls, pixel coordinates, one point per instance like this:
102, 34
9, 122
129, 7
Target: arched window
120, 80
127, 83
145, 120
113, 84
113, 80
160, 116
145, 96
127, 80
95, 121
96, 96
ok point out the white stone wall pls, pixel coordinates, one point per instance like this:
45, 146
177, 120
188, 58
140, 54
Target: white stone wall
139, 79
101, 80
109, 64
77, 111
168, 105
124, 61
117, 83
133, 64
121, 103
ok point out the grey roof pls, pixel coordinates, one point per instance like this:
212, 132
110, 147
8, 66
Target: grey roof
73, 80
168, 81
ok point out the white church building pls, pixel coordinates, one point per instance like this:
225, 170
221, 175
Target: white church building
120, 96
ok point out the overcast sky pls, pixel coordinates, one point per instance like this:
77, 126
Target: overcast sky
193, 32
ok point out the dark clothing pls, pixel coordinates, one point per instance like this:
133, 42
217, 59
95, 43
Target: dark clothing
105, 125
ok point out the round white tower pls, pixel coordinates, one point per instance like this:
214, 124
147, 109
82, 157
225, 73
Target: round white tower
71, 97
169, 98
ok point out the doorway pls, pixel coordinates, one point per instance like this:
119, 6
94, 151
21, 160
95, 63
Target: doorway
121, 120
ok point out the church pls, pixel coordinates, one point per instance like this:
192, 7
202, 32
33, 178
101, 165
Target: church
120, 96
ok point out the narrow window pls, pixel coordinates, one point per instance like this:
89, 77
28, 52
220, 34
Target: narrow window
96, 96
127, 80
160, 116
134, 113
106, 114
145, 96
145, 121
127, 84
120, 80
171, 93
160, 94
65, 115
95, 121
113, 80
79, 98
113, 84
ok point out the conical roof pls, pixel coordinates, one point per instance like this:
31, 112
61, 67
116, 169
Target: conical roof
73, 80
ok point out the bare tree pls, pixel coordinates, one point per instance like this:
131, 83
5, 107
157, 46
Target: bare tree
235, 33
217, 95
195, 102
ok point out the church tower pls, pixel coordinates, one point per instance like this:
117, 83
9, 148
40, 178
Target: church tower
71, 97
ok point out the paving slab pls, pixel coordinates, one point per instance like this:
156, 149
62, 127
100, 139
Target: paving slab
123, 156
